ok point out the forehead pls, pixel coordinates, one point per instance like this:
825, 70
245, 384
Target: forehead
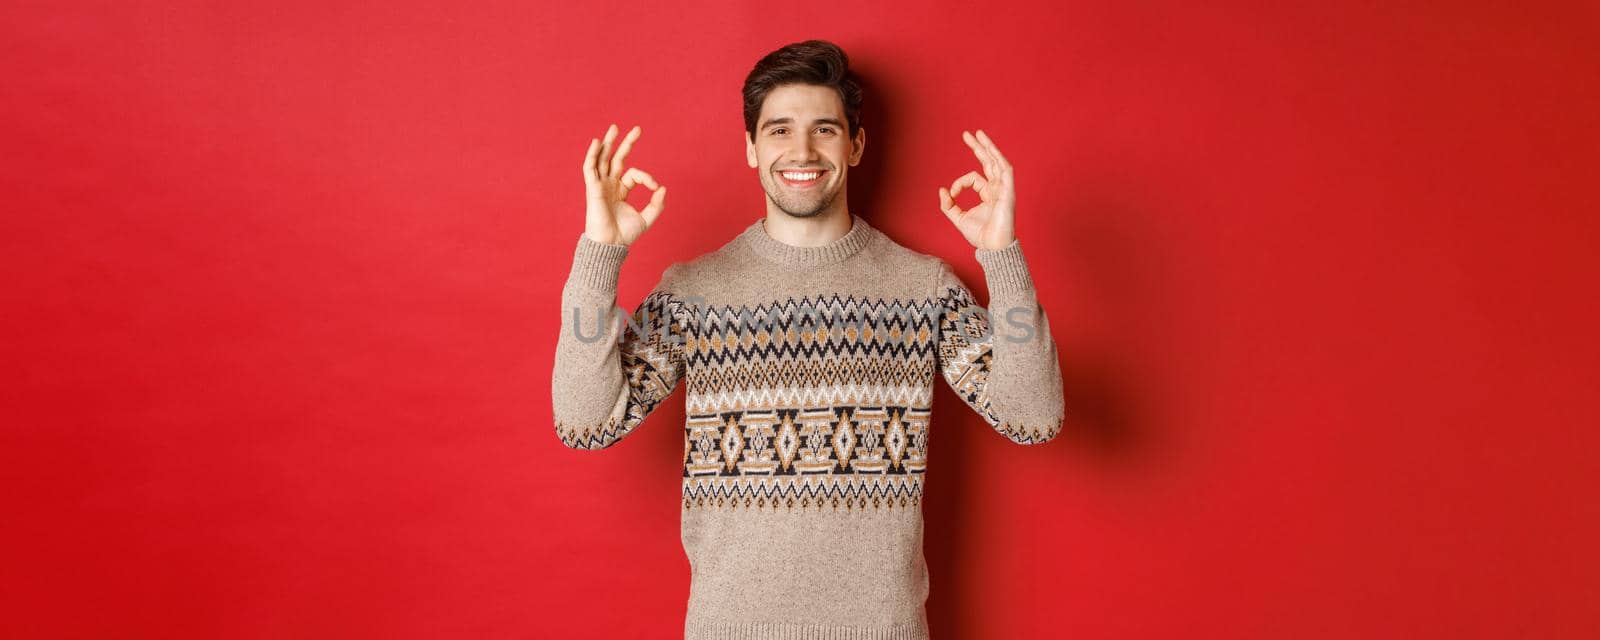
802, 102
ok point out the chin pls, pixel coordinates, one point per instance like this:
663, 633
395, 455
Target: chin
796, 212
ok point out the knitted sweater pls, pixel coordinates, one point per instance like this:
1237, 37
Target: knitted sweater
808, 375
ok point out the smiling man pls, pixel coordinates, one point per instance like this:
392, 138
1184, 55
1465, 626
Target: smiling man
808, 345
802, 146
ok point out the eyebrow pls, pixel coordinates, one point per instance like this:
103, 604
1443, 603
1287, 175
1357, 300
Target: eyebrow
788, 120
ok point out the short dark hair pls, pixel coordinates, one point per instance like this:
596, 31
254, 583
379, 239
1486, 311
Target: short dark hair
816, 62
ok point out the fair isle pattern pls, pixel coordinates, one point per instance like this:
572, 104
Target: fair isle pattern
809, 375
838, 492
652, 362
815, 352
825, 352
966, 348
824, 401
850, 457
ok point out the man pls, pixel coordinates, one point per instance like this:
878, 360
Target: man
808, 344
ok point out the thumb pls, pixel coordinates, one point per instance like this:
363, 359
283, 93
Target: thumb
657, 204
947, 204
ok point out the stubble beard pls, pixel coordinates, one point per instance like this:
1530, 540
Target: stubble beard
797, 207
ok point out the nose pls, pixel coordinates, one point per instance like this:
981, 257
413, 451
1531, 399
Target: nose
806, 148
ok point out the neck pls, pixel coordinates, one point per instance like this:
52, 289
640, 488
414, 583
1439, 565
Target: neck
808, 242
815, 231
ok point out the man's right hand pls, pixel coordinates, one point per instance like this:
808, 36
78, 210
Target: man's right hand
609, 217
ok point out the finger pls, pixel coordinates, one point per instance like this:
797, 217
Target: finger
622, 150
634, 176
605, 151
591, 180
994, 149
658, 202
982, 152
947, 204
970, 180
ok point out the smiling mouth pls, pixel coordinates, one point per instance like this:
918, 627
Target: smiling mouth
802, 179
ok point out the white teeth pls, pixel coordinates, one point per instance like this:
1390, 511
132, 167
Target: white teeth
802, 177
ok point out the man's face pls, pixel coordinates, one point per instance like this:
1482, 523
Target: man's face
802, 130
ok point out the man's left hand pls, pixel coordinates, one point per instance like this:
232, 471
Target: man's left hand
991, 224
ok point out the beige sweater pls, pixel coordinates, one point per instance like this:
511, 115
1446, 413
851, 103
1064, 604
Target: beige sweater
808, 378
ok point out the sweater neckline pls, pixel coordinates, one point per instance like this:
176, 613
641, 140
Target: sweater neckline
771, 249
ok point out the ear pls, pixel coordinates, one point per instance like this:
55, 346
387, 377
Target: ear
749, 150
858, 146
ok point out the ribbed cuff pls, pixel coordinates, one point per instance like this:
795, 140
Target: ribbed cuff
596, 265
1004, 269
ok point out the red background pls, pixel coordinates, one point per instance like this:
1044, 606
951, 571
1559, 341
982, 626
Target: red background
281, 289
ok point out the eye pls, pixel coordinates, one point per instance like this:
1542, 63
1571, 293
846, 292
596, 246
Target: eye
777, 130
827, 129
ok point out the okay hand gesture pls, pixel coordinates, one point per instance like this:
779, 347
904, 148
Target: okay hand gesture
991, 224
609, 218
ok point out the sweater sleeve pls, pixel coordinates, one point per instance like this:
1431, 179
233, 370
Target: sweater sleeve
1002, 364
608, 374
